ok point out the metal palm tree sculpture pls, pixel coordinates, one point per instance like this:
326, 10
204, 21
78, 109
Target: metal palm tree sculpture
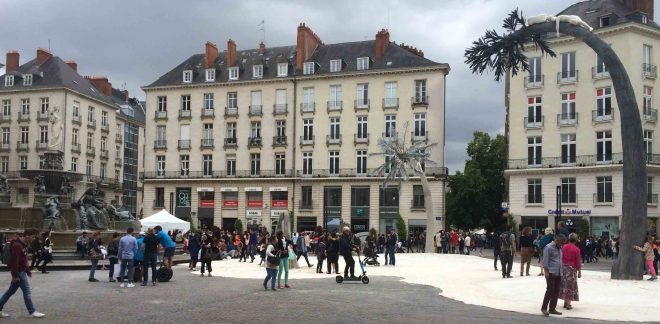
505, 53
402, 161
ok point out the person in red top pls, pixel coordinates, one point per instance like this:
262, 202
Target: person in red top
572, 270
454, 241
20, 271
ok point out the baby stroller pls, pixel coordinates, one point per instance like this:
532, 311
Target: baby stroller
370, 256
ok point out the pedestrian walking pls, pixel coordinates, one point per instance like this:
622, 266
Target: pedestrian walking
526, 250
301, 247
20, 272
552, 262
497, 249
283, 245
194, 245
272, 263
127, 250
571, 271
95, 254
320, 254
647, 249
508, 250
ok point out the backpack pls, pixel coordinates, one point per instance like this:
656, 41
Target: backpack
505, 241
6, 253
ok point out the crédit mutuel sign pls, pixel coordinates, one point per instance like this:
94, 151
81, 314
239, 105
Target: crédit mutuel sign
569, 211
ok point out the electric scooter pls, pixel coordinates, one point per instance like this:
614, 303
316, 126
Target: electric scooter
361, 278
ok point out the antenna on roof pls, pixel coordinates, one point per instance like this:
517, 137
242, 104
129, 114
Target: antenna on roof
49, 45
388, 14
262, 27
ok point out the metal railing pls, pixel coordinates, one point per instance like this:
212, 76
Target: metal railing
534, 81
208, 113
5, 147
22, 146
650, 114
602, 116
118, 161
280, 109
185, 114
41, 146
184, 144
254, 142
306, 141
604, 198
104, 154
649, 71
279, 140
217, 174
598, 75
231, 111
419, 100
105, 128
231, 142
361, 140
567, 77
333, 140
361, 104
534, 122
368, 172
335, 105
91, 151
569, 119
91, 124
42, 116
119, 138
23, 118
160, 144
580, 161
75, 147
207, 143
308, 107
390, 103
5, 118
160, 115
255, 110
652, 199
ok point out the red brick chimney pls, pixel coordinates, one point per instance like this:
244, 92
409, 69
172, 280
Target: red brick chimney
43, 55
306, 43
211, 54
231, 52
262, 48
382, 41
640, 5
101, 83
72, 64
125, 95
12, 62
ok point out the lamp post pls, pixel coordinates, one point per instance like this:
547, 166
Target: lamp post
558, 208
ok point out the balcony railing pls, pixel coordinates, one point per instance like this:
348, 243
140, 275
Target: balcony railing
207, 143
23, 118
389, 135
91, 124
185, 114
649, 71
254, 141
5, 147
104, 154
652, 199
390, 103
598, 73
280, 109
5, 118
360, 140
324, 173
335, 106
536, 122
567, 77
75, 147
119, 138
160, 115
534, 201
572, 161
419, 100
306, 141
91, 151
118, 162
184, 144
534, 81
160, 144
255, 110
41, 146
419, 136
42, 116
76, 120
231, 142
308, 107
208, 113
602, 116
333, 140
22, 146
279, 140
604, 198
217, 174
650, 115
231, 111
105, 128
567, 119
361, 104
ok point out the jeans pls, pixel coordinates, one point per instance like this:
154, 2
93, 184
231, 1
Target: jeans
24, 284
390, 252
506, 257
95, 263
350, 265
270, 275
206, 263
284, 265
305, 255
113, 261
150, 261
126, 265
251, 249
82, 248
496, 255
333, 261
551, 291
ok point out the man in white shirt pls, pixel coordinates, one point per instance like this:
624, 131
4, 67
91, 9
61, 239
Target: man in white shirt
468, 241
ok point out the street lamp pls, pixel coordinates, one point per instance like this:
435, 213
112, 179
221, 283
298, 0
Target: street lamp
558, 208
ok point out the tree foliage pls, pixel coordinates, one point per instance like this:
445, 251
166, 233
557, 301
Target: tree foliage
474, 196
238, 226
401, 231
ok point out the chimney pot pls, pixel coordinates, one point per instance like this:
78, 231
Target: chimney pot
211, 54
125, 95
382, 41
231, 53
12, 62
262, 48
43, 55
306, 43
72, 64
101, 83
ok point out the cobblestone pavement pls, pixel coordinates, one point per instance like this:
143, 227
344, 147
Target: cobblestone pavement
66, 297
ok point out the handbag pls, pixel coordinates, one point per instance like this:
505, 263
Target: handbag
273, 260
291, 255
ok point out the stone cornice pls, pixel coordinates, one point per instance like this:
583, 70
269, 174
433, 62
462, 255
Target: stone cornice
650, 168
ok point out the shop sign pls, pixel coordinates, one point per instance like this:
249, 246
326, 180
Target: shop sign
276, 213
206, 203
252, 189
252, 213
569, 211
230, 203
205, 189
255, 203
278, 189
279, 203
228, 189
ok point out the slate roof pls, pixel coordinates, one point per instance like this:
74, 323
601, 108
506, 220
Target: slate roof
138, 107
395, 57
590, 11
53, 73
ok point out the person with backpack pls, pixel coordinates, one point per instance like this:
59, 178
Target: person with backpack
301, 248
320, 254
113, 251
508, 250
95, 254
272, 263
15, 256
543, 241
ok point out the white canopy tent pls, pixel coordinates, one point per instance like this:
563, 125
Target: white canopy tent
166, 220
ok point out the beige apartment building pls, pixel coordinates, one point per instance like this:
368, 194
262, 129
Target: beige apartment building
251, 134
564, 127
102, 128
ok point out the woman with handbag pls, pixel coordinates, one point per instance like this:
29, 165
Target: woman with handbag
273, 261
206, 254
95, 254
283, 248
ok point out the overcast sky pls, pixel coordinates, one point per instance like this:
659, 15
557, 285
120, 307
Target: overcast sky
133, 42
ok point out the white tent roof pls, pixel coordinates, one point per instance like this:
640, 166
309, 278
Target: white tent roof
166, 220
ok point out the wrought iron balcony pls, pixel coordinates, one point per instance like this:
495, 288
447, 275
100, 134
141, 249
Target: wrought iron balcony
419, 100
104, 154
231, 142
91, 124
41, 146
567, 77
76, 120
571, 161
23, 118
105, 128
160, 144
602, 116
160, 115
208, 113
390, 103
184, 144
650, 115
649, 71
91, 151
364, 139
535, 122
335, 106
185, 114
22, 146
255, 110
599, 73
5, 147
207, 143
75, 147
5, 118
254, 142
280, 109
534, 81
231, 111
42, 116
567, 119
308, 107
333, 140
279, 141
119, 138
306, 141
361, 104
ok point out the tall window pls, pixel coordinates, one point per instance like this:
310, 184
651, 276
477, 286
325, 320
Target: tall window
231, 165
308, 99
361, 162
90, 140
335, 65
104, 118
420, 91
390, 125
308, 129
307, 163
208, 101
363, 63
231, 131
418, 197
89, 168
534, 114
5, 136
102, 170
568, 193
104, 144
6, 107
601, 69
308, 68
255, 130
362, 127
333, 163
232, 100
648, 60
604, 146
187, 76
255, 163
648, 145
207, 133
420, 125
76, 109
604, 189
649, 191
161, 133
568, 145
534, 191
280, 128
74, 164
233, 73
9, 81
4, 164
282, 69
257, 71
335, 96
44, 105
207, 164
391, 96
534, 148
90, 114
25, 132
25, 107
306, 197
335, 128
22, 162
160, 165
604, 103
210, 75
162, 103
568, 113
280, 163
185, 102
648, 102
43, 134
535, 76
362, 94
185, 164
568, 72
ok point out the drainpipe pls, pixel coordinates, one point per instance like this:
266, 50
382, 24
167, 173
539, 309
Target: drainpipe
64, 117
293, 142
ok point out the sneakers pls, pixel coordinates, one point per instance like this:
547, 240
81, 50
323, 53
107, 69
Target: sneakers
287, 286
92, 280
279, 287
209, 274
130, 285
122, 285
153, 283
144, 284
112, 280
37, 314
3, 314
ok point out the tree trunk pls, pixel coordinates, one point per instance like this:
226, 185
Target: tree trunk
428, 206
629, 265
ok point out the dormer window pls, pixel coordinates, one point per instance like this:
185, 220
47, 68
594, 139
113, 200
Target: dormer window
27, 79
308, 68
335, 65
604, 21
210, 75
233, 73
257, 71
363, 63
9, 80
187, 76
645, 19
282, 69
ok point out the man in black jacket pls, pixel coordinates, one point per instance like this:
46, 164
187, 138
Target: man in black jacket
391, 246
346, 250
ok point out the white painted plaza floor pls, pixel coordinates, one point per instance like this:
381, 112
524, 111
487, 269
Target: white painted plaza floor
473, 280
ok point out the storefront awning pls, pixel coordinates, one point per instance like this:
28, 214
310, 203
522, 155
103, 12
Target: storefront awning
228, 189
205, 189
278, 189
253, 189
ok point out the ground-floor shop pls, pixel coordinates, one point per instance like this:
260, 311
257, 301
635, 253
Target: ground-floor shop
598, 226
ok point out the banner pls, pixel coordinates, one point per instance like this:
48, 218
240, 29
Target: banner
230, 203
255, 203
279, 203
206, 203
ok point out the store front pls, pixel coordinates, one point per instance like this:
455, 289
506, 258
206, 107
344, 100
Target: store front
360, 197
254, 205
604, 226
183, 206
229, 197
389, 208
206, 206
539, 223
332, 208
416, 227
275, 219
253, 219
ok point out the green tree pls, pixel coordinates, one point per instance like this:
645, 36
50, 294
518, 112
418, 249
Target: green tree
583, 228
514, 225
401, 231
238, 226
474, 195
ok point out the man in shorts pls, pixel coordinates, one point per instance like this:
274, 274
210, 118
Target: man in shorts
168, 244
